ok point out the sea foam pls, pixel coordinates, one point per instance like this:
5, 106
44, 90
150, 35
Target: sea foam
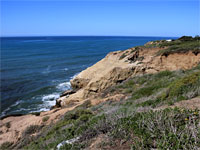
64, 86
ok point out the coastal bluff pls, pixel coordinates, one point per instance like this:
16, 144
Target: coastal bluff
151, 77
119, 66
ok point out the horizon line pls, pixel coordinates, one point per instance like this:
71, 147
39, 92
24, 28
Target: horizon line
87, 36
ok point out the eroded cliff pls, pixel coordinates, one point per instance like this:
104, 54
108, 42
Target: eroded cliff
118, 66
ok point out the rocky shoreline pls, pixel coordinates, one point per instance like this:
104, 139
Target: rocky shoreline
114, 69
119, 66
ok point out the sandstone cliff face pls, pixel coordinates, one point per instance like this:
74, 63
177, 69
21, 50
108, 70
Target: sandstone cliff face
113, 69
121, 65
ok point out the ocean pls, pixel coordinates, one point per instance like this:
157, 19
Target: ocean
36, 70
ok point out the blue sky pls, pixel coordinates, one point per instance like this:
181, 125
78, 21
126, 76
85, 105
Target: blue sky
126, 18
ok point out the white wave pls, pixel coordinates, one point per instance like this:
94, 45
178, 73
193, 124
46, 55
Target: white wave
64, 86
40, 109
50, 97
22, 109
3, 113
17, 103
51, 103
44, 109
49, 100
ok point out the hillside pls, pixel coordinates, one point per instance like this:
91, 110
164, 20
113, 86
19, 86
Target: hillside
119, 66
145, 97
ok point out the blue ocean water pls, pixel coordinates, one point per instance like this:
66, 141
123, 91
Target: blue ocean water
35, 70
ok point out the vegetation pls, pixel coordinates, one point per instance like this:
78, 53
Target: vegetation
181, 45
73, 124
137, 122
6, 146
7, 124
36, 113
166, 129
184, 88
46, 118
121, 121
32, 129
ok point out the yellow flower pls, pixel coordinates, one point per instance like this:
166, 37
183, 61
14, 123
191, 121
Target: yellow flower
186, 119
195, 113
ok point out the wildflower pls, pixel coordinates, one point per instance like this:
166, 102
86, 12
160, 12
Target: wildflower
195, 113
186, 119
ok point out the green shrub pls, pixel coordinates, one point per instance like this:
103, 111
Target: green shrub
180, 47
163, 74
6, 146
164, 129
36, 113
178, 89
7, 124
145, 91
73, 124
186, 38
74, 115
31, 129
85, 105
44, 119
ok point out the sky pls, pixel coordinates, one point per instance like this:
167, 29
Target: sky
99, 18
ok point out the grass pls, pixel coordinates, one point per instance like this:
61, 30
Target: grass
184, 88
130, 121
180, 46
31, 129
162, 88
6, 146
122, 121
164, 129
73, 124
144, 86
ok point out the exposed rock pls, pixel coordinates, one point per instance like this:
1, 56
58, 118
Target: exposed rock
57, 105
106, 73
18, 124
68, 92
78, 83
134, 56
114, 69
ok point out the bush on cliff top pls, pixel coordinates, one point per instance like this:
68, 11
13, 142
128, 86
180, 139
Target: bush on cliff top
181, 45
179, 89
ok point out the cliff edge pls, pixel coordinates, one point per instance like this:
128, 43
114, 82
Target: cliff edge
118, 66
142, 93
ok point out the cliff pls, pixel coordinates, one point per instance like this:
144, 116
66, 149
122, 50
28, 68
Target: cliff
118, 66
145, 97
